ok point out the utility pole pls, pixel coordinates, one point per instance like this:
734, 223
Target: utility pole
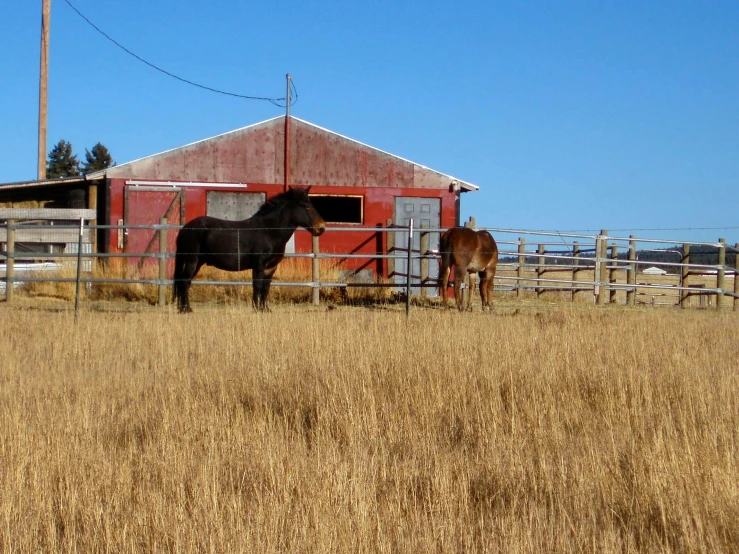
287, 133
42, 94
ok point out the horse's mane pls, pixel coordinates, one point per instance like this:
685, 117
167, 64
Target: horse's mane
281, 200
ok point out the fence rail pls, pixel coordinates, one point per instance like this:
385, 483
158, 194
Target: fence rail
578, 266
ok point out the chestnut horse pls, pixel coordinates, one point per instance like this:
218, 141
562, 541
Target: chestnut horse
257, 243
468, 251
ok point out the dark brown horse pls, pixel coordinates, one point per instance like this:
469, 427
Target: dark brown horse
468, 251
257, 243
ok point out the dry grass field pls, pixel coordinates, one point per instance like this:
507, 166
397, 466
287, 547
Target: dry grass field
295, 270
557, 428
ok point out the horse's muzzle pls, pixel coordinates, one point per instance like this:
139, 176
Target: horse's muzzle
318, 230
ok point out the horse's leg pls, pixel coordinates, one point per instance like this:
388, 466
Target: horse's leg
256, 287
458, 280
489, 285
489, 273
262, 280
180, 278
445, 271
179, 265
483, 289
184, 303
266, 283
189, 270
471, 292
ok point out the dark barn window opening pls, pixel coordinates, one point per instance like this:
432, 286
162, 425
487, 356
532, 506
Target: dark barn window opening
339, 209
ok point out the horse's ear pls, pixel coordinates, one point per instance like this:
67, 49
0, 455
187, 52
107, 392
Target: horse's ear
307, 191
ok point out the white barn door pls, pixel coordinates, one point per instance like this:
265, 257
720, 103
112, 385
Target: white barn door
426, 213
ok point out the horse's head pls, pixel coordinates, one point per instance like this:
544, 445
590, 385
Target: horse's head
304, 212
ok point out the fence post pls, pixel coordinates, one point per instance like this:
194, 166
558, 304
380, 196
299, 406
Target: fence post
519, 269
316, 273
162, 261
631, 293
9, 260
601, 251
79, 272
540, 261
380, 249
424, 260
720, 274
575, 268
596, 270
736, 277
613, 273
409, 269
92, 203
684, 273
390, 249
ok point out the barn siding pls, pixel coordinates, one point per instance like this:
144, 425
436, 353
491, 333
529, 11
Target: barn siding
378, 205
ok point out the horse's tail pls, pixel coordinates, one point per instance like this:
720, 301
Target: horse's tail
445, 248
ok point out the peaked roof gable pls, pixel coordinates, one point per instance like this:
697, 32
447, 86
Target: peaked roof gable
255, 154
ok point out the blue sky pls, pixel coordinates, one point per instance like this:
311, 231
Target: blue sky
570, 115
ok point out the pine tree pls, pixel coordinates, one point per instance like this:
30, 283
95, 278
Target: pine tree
97, 159
61, 162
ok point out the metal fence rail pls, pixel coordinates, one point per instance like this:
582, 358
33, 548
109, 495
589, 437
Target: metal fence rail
587, 266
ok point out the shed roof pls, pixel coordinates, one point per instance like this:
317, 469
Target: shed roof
255, 153
62, 181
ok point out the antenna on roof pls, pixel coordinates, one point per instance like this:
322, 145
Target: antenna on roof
287, 133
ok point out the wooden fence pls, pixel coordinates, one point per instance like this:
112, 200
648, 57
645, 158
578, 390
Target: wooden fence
572, 267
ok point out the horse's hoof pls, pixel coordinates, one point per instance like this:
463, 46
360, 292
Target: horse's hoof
185, 310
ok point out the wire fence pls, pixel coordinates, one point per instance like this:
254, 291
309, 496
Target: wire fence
600, 268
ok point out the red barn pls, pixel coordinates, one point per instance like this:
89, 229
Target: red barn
352, 185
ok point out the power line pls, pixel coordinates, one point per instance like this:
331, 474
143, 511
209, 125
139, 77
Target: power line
274, 101
295, 90
652, 229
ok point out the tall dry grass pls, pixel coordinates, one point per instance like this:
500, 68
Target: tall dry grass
569, 430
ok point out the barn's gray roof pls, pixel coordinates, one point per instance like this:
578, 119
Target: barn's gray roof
120, 169
463, 184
